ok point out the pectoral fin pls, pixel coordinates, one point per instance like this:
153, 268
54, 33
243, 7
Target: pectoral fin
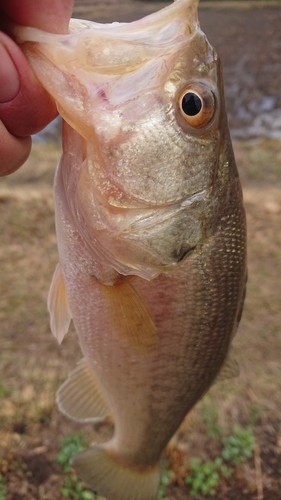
230, 368
80, 397
130, 316
60, 314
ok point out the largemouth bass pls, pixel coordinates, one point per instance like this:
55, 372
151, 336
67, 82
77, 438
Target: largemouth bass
151, 232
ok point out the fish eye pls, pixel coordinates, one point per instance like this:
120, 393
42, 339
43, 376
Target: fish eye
197, 105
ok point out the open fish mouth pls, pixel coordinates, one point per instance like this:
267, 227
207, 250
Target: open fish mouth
108, 55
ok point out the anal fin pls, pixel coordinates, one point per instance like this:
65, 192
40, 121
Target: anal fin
80, 397
60, 314
114, 479
130, 317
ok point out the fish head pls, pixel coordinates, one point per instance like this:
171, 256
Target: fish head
156, 121
147, 99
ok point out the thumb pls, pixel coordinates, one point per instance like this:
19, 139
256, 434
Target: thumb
48, 15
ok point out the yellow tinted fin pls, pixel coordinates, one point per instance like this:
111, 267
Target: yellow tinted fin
113, 479
230, 368
80, 397
60, 314
130, 317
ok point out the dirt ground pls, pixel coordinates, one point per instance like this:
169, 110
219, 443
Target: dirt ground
32, 365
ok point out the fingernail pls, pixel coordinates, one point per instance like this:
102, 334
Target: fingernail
9, 77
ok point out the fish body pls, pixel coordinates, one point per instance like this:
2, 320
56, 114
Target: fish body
151, 232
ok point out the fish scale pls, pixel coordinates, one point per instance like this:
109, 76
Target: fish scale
151, 233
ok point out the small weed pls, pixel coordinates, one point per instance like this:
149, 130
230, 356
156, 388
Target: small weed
239, 446
2, 488
164, 482
70, 445
73, 488
205, 476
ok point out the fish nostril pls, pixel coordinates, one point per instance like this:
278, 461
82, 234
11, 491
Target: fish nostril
179, 255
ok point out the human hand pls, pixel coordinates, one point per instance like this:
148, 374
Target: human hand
25, 107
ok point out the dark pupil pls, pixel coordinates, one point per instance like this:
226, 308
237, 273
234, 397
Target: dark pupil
191, 104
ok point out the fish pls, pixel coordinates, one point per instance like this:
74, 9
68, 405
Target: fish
151, 232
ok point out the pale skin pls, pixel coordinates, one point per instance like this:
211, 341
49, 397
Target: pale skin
25, 107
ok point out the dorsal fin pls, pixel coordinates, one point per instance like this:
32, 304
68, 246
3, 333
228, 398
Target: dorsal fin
130, 316
58, 305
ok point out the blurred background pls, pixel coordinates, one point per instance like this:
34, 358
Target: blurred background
229, 447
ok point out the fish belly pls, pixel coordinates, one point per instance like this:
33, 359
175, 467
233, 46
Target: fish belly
194, 310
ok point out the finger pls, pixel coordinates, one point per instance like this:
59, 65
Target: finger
25, 106
14, 151
48, 15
